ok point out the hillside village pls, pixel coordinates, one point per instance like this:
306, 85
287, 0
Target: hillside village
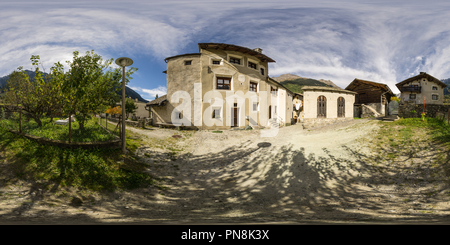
219, 70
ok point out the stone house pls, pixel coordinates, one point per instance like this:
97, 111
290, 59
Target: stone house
220, 87
372, 98
420, 88
326, 105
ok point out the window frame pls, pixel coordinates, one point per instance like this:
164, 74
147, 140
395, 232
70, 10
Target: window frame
255, 86
433, 86
230, 58
433, 95
257, 106
188, 62
261, 71
274, 90
223, 78
216, 113
252, 65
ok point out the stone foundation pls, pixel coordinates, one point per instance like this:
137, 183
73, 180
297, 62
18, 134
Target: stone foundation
409, 109
320, 122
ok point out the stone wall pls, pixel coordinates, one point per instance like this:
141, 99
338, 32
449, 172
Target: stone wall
411, 110
320, 122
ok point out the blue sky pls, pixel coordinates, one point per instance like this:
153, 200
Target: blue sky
381, 41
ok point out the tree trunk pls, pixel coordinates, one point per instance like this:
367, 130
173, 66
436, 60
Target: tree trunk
37, 120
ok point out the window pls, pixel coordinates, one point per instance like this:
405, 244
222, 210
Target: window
223, 83
262, 71
321, 107
434, 97
434, 88
412, 96
253, 87
216, 62
252, 65
216, 113
189, 62
273, 90
275, 109
341, 107
180, 116
235, 60
255, 106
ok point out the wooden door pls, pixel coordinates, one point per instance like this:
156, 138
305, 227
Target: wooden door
321, 107
341, 107
235, 117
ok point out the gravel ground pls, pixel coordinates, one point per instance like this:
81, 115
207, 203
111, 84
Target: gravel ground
330, 174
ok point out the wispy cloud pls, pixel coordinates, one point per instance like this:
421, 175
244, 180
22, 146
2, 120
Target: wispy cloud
150, 94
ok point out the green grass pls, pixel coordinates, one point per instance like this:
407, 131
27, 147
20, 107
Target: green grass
94, 169
91, 133
217, 131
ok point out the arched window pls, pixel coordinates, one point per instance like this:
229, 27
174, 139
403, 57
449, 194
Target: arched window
321, 107
341, 107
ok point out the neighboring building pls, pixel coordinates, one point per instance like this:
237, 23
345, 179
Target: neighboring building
215, 72
372, 94
326, 105
423, 86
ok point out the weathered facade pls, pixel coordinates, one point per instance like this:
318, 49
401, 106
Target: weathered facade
371, 94
326, 105
220, 87
422, 88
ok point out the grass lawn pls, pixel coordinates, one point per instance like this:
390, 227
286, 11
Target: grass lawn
92, 133
94, 169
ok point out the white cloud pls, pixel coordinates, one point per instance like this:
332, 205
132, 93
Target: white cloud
149, 94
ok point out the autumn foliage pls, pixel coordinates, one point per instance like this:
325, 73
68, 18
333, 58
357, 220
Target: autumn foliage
114, 110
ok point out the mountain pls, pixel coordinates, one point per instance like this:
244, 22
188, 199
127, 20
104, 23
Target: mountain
446, 89
128, 91
295, 83
131, 93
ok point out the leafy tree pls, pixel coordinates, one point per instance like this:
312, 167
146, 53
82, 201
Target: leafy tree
90, 86
130, 106
29, 95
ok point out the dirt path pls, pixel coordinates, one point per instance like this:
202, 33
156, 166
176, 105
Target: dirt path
326, 174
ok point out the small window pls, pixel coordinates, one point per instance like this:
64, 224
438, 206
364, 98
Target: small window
275, 109
262, 71
216, 62
435, 97
255, 106
273, 90
180, 116
412, 96
235, 61
252, 65
216, 113
235, 105
189, 62
253, 87
434, 88
223, 83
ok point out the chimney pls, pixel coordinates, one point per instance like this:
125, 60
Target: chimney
258, 50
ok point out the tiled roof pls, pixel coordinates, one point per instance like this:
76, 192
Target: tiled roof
421, 75
331, 89
231, 47
158, 101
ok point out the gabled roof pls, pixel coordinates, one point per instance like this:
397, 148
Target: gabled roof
231, 47
176, 56
158, 101
331, 89
421, 75
357, 82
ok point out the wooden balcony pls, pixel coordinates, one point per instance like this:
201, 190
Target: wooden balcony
411, 89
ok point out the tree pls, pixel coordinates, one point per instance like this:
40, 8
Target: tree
130, 106
90, 86
29, 95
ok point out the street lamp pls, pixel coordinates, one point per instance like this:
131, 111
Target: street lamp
123, 61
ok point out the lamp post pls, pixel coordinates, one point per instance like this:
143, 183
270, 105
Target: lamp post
123, 61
